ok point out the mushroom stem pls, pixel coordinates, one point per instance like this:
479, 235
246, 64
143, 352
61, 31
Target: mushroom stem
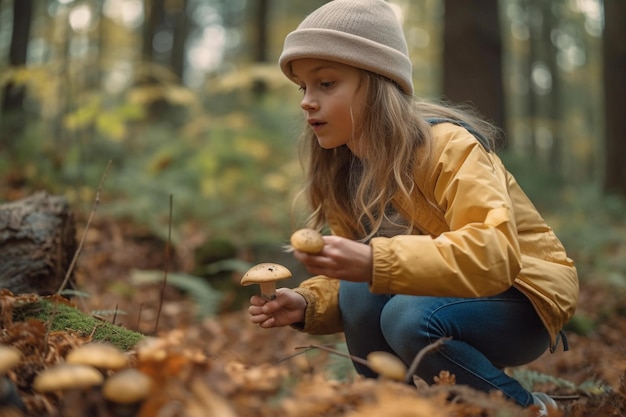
268, 290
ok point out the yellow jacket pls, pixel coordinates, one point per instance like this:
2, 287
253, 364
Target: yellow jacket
480, 235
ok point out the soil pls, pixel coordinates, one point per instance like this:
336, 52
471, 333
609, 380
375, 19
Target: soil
225, 366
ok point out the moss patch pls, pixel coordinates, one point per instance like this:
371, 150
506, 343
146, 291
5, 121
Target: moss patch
60, 316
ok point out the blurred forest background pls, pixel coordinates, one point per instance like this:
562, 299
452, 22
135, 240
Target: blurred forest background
186, 99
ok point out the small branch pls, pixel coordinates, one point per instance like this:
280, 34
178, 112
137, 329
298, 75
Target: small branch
166, 266
420, 355
68, 274
565, 397
139, 317
115, 314
333, 351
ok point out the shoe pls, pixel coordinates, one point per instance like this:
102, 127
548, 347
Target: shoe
543, 402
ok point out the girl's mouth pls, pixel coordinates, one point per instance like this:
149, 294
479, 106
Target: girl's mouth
315, 124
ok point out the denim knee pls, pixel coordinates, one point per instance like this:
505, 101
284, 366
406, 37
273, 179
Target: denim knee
405, 325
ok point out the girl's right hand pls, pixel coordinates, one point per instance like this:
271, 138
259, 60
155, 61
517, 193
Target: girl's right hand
287, 308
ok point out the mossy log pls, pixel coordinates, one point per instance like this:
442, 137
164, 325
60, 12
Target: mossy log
37, 243
63, 316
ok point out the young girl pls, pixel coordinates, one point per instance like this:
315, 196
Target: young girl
431, 236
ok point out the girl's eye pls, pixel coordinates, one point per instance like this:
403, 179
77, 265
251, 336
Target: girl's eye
327, 84
302, 88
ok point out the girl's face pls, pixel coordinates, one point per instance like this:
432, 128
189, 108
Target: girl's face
332, 100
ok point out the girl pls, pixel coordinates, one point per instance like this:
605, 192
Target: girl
431, 236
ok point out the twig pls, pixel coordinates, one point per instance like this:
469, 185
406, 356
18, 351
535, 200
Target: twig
115, 314
565, 397
333, 351
82, 240
420, 355
166, 266
139, 316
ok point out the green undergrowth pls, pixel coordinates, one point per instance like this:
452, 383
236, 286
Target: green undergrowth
531, 379
63, 317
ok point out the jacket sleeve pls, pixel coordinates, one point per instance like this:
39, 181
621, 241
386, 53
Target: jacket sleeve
478, 254
322, 314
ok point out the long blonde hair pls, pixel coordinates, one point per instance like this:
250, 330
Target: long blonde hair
354, 195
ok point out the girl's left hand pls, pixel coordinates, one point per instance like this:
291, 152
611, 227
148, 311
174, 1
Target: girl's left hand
341, 258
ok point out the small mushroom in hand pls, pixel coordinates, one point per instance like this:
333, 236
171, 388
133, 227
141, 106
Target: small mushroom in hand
307, 240
266, 275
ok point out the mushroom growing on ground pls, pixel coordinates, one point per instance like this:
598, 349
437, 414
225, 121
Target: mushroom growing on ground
9, 397
307, 240
99, 355
73, 385
126, 390
67, 376
266, 275
387, 365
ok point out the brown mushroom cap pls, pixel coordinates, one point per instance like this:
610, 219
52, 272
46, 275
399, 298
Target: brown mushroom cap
128, 386
265, 272
307, 240
99, 355
9, 357
387, 365
64, 376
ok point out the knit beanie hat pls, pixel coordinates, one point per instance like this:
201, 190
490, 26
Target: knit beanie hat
362, 33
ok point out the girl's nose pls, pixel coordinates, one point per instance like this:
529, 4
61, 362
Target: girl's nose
308, 102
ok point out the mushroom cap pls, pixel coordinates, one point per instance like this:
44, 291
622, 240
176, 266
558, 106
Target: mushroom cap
128, 386
64, 376
265, 272
9, 357
99, 355
307, 240
387, 365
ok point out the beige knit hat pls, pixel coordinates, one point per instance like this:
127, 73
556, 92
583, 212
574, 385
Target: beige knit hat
363, 33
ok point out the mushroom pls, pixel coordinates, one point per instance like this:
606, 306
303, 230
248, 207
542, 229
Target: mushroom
9, 358
67, 376
99, 355
307, 240
266, 275
126, 390
387, 365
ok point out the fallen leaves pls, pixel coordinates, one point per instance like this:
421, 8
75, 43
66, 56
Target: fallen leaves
227, 367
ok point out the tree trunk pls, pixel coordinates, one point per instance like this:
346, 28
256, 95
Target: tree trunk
154, 16
181, 29
37, 244
472, 57
544, 99
259, 88
22, 15
615, 95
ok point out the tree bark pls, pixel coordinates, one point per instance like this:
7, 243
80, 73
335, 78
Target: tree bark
472, 57
22, 15
181, 30
37, 243
615, 95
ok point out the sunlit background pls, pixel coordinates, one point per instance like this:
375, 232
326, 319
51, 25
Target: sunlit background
185, 98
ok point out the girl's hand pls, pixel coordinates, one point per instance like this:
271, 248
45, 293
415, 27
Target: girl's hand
341, 258
287, 308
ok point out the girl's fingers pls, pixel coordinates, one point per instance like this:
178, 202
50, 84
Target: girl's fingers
269, 323
255, 310
260, 318
255, 300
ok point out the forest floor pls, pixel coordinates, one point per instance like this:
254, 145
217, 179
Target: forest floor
225, 366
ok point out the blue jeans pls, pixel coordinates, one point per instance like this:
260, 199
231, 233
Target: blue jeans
488, 334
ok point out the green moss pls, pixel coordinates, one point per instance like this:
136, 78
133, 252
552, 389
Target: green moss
63, 317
